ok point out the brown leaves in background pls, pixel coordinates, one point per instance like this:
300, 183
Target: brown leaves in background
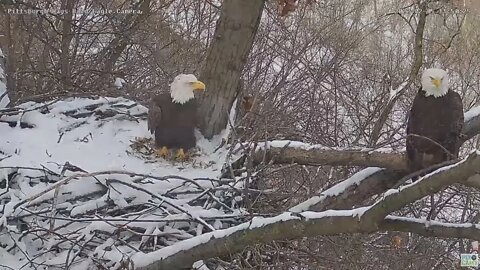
286, 7
396, 242
247, 103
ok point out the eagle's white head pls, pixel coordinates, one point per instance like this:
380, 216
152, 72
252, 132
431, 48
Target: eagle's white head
182, 87
435, 82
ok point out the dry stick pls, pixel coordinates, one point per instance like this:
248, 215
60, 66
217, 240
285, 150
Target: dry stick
226, 217
79, 175
164, 199
205, 191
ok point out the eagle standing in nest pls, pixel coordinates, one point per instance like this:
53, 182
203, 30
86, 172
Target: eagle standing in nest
171, 116
435, 122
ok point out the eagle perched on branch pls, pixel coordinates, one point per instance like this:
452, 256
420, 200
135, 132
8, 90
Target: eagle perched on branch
435, 122
171, 116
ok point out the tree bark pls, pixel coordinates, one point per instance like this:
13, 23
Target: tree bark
226, 57
3, 95
67, 37
305, 154
10, 60
289, 226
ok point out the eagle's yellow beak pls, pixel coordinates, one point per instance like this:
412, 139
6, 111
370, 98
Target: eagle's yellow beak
437, 82
198, 85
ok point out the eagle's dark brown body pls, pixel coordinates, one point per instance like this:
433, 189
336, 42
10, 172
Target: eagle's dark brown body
172, 123
439, 119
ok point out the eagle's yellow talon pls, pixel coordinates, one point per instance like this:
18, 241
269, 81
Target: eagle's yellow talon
181, 155
163, 152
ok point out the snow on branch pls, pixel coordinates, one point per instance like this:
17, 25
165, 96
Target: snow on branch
362, 186
71, 189
395, 199
116, 208
281, 152
431, 228
259, 230
292, 225
355, 189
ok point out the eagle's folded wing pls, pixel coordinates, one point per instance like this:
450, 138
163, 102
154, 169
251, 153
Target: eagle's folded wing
154, 116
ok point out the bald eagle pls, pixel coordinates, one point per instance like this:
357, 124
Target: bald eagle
435, 122
171, 116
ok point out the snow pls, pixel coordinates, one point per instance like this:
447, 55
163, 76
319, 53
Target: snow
429, 223
444, 168
142, 259
308, 147
396, 91
357, 212
355, 179
84, 168
119, 82
93, 146
472, 113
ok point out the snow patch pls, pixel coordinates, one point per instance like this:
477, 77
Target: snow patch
308, 147
119, 82
337, 189
99, 150
472, 113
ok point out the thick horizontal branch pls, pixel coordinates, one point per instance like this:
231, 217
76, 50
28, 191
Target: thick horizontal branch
261, 230
367, 183
431, 228
291, 225
281, 152
288, 226
352, 191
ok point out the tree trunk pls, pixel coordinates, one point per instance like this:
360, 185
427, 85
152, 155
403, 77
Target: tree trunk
67, 37
10, 65
232, 42
4, 100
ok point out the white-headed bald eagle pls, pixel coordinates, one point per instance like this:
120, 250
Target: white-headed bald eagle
435, 122
171, 116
